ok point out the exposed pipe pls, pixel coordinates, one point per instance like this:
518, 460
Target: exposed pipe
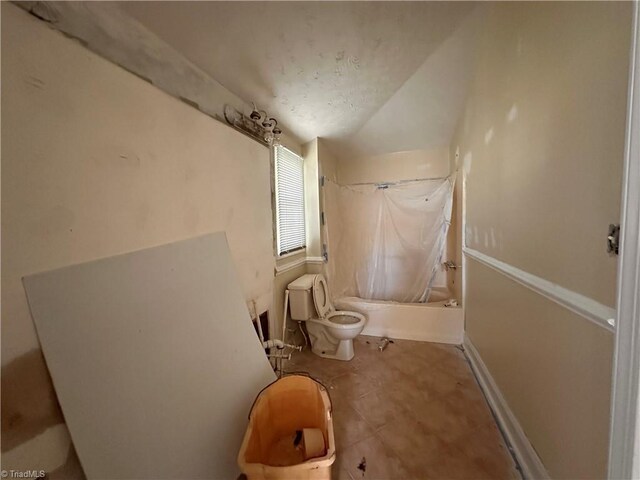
284, 315
279, 344
304, 335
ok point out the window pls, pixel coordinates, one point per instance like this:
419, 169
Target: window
290, 232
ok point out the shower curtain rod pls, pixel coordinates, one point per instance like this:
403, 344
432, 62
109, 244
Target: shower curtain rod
399, 182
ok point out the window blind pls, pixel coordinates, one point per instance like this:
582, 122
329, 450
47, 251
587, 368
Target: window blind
290, 231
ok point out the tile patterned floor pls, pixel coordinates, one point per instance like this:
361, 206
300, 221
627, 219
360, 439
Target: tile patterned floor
413, 411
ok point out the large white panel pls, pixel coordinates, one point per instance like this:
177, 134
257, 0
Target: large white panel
154, 359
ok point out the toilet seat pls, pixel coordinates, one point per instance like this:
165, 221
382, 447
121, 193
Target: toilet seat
321, 298
341, 319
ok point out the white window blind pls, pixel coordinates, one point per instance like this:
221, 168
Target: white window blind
289, 174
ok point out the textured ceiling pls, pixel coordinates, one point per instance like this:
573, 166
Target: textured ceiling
324, 69
424, 112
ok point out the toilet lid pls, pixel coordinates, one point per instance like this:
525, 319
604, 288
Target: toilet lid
321, 296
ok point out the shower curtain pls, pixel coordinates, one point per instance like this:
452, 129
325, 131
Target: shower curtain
385, 241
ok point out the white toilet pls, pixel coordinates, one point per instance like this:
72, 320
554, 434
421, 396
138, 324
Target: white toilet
331, 332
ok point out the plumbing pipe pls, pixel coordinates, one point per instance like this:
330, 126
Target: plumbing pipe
304, 335
279, 344
273, 343
284, 324
280, 356
284, 315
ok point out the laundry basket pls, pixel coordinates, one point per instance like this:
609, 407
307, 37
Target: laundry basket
289, 422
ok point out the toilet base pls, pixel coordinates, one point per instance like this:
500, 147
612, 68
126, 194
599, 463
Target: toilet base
324, 345
344, 351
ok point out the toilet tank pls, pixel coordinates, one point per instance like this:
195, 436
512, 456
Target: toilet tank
301, 298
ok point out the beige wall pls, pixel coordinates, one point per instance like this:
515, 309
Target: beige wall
552, 366
395, 166
542, 140
541, 143
305, 261
108, 29
312, 198
329, 163
97, 162
281, 281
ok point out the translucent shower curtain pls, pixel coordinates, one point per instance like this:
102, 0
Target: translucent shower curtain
385, 242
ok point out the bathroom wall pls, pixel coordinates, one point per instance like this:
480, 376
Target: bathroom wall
541, 145
328, 167
395, 166
319, 160
292, 266
98, 162
312, 198
108, 29
455, 239
328, 161
284, 277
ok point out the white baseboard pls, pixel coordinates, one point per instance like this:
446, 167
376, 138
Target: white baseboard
532, 466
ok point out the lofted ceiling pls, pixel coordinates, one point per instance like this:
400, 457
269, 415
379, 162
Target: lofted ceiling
370, 77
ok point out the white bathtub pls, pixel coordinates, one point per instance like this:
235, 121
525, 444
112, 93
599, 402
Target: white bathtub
427, 322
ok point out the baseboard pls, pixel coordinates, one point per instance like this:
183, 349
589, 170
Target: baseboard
531, 465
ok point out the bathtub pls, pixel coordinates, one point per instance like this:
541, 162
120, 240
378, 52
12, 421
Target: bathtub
427, 322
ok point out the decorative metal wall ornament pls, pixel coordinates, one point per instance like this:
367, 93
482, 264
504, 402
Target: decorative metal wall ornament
258, 125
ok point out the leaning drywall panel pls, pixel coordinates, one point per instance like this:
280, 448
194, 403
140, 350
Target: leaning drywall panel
154, 359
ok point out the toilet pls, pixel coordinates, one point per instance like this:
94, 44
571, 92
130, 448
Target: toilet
331, 332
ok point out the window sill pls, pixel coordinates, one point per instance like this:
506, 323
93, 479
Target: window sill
284, 256
291, 260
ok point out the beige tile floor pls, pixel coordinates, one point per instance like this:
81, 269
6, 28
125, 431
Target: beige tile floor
413, 411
